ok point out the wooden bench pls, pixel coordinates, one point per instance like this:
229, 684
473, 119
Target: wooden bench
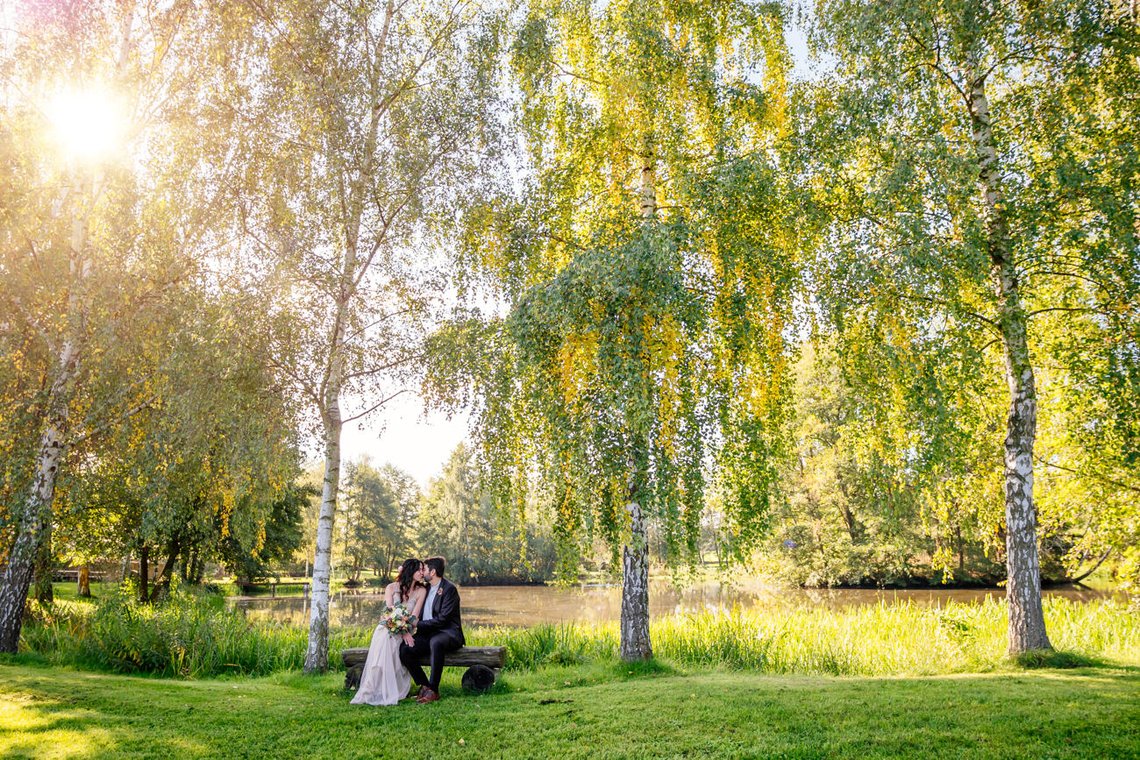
482, 663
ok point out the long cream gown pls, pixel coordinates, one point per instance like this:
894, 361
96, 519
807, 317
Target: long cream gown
385, 680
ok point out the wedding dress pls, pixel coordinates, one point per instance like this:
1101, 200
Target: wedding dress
385, 680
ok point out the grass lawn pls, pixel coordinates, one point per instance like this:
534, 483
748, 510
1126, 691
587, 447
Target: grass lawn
586, 711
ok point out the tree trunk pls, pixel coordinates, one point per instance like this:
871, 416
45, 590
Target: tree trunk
84, 587
36, 513
635, 644
317, 654
961, 550
1023, 584
162, 583
144, 573
854, 529
199, 568
45, 567
186, 565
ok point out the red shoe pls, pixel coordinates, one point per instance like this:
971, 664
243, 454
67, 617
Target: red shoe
428, 696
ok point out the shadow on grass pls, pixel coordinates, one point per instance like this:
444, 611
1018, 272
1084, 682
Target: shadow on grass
1051, 658
650, 667
31, 659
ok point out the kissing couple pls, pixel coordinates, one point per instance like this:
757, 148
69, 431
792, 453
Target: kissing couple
393, 661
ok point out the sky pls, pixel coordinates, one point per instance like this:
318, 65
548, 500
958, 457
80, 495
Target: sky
404, 435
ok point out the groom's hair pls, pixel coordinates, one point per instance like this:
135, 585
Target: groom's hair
437, 564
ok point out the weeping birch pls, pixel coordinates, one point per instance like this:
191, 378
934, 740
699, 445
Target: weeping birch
648, 278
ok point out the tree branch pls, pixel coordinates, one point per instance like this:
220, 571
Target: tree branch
99, 429
1102, 478
1092, 569
1084, 309
383, 367
374, 407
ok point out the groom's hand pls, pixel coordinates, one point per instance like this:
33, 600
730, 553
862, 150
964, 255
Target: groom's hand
409, 640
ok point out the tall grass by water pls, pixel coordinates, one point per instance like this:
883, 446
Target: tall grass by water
883, 639
189, 634
195, 635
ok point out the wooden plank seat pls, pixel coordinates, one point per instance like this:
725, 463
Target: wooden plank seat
482, 663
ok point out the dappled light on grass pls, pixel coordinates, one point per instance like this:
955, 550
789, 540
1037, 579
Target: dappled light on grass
706, 714
32, 726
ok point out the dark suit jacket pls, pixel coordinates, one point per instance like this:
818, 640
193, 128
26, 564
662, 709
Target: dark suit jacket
445, 614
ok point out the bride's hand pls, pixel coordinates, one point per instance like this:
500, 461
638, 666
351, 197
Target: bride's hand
409, 640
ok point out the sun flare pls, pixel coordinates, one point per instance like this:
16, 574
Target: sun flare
87, 124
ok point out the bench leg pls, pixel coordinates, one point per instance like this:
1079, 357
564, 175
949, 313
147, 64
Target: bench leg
478, 678
352, 676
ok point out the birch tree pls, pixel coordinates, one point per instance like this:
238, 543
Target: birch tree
648, 278
362, 122
90, 242
938, 142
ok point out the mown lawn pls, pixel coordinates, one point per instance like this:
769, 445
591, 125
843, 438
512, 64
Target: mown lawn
587, 712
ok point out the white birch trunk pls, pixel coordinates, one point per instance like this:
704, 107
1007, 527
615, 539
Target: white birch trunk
635, 642
1023, 584
35, 515
317, 653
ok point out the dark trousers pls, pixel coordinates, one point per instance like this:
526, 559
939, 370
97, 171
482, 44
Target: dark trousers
436, 645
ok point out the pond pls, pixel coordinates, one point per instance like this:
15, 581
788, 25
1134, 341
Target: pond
531, 605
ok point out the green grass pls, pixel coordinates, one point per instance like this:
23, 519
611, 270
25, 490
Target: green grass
876, 640
577, 712
190, 634
195, 635
879, 681
69, 591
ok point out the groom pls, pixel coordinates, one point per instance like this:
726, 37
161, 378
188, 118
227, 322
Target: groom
440, 631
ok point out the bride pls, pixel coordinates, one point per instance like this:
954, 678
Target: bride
385, 680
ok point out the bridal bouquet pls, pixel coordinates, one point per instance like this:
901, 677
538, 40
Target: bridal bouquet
398, 619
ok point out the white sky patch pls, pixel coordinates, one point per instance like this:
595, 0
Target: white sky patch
404, 435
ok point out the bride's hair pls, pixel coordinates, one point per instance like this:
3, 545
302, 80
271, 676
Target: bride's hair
406, 577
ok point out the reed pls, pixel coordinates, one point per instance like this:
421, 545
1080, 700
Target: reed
884, 639
195, 635
563, 644
189, 635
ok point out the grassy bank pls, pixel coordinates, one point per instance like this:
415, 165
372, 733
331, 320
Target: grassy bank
190, 634
876, 640
578, 712
194, 635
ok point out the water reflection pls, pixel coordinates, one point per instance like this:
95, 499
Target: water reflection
531, 605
